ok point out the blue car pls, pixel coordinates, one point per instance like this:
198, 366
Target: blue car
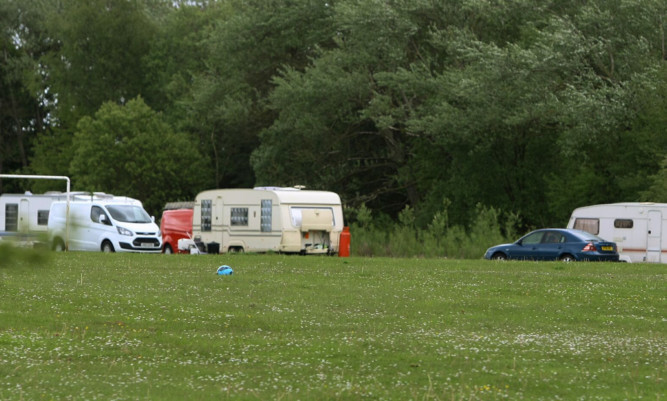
562, 244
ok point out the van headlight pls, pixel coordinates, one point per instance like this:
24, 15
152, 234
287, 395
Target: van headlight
124, 231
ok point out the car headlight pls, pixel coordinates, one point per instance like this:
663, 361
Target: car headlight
124, 231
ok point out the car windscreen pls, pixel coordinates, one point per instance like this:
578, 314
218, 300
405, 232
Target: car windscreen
129, 214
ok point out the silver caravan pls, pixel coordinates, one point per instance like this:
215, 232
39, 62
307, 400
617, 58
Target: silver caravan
26, 215
265, 219
638, 229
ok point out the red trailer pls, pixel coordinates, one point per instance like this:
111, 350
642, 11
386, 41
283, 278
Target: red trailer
175, 224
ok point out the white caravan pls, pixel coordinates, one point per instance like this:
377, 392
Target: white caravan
638, 229
26, 214
103, 223
262, 219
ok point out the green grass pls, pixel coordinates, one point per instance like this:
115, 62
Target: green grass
85, 326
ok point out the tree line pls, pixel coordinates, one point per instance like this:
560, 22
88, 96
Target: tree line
529, 108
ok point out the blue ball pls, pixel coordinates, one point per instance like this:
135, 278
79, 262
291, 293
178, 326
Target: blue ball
225, 270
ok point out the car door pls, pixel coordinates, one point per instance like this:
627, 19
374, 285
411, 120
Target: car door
527, 247
551, 245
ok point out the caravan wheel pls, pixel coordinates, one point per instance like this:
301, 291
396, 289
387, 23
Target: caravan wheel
58, 245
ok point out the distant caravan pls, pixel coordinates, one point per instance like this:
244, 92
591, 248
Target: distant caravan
26, 215
263, 219
638, 229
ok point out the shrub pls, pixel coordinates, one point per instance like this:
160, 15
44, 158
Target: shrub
438, 239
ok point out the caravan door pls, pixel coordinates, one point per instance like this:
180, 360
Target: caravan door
24, 216
654, 236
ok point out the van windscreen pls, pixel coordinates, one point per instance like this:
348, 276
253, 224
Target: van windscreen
129, 214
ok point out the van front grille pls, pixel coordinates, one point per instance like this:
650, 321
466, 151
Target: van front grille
145, 242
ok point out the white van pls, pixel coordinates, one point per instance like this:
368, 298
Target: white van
638, 229
262, 219
108, 224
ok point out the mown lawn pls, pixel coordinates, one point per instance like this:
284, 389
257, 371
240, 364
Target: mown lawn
85, 326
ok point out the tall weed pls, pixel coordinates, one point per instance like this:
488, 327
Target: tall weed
438, 239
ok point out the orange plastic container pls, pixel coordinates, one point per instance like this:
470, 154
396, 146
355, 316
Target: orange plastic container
344, 244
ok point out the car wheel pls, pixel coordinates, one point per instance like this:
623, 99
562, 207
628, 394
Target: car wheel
567, 258
107, 247
499, 256
168, 250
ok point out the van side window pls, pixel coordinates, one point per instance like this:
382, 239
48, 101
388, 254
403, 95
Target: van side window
239, 216
96, 212
589, 225
42, 217
206, 214
12, 217
623, 223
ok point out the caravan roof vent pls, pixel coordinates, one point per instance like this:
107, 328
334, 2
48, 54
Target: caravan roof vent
277, 188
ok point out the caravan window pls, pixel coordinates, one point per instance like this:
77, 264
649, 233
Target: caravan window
296, 215
206, 214
589, 225
623, 223
239, 216
265, 217
12, 217
42, 217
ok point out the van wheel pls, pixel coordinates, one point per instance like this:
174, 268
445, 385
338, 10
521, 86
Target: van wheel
107, 247
58, 245
168, 250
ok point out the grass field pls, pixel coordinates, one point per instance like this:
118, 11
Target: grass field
86, 326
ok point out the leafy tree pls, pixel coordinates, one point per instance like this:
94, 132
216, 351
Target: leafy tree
23, 103
98, 58
129, 150
249, 44
177, 54
657, 192
334, 127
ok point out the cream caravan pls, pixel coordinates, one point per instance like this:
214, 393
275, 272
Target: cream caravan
262, 219
638, 229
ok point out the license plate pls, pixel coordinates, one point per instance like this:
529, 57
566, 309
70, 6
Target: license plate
146, 245
608, 248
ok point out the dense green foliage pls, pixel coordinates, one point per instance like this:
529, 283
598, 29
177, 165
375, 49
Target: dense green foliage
157, 327
530, 108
